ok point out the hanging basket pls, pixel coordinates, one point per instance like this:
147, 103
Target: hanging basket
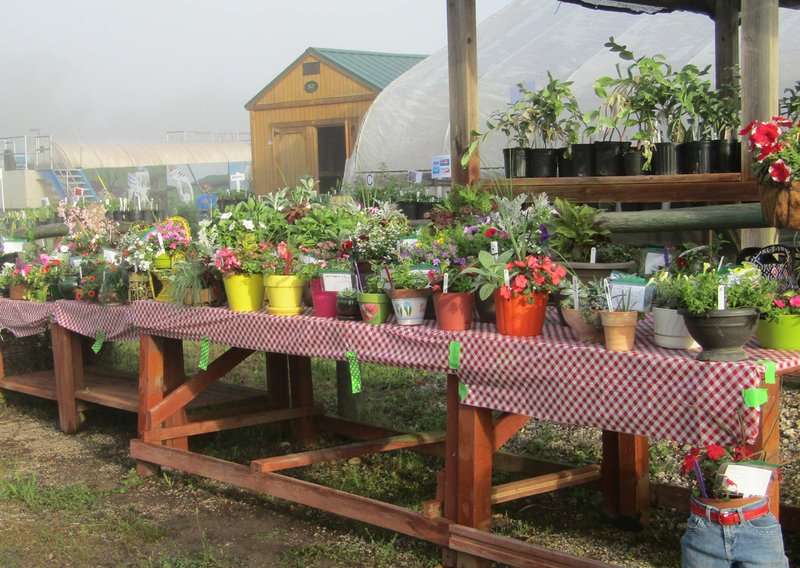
780, 204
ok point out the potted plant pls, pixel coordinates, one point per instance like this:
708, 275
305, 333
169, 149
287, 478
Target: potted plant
373, 301
453, 299
779, 326
669, 327
582, 312
619, 323
409, 292
695, 96
172, 237
723, 325
192, 283
574, 231
283, 286
347, 305
776, 159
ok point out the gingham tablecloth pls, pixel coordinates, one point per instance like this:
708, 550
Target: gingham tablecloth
24, 318
650, 391
87, 319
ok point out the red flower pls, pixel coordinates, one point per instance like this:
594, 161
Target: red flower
505, 292
519, 284
779, 171
767, 150
747, 129
92, 293
765, 133
490, 232
715, 451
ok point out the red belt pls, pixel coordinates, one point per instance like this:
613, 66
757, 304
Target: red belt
730, 516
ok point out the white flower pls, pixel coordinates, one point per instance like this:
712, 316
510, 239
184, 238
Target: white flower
226, 215
63, 248
248, 224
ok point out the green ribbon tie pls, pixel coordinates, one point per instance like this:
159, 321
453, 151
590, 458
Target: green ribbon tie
205, 346
455, 355
463, 391
769, 371
355, 372
98, 340
754, 398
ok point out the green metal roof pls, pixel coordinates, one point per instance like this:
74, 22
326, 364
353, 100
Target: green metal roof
375, 70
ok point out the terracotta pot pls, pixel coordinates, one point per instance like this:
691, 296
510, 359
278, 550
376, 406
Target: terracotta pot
409, 305
18, 292
519, 317
585, 331
619, 329
324, 302
780, 204
454, 310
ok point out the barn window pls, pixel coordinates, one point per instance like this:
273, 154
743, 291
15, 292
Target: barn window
311, 68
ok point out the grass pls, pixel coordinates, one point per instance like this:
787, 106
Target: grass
25, 488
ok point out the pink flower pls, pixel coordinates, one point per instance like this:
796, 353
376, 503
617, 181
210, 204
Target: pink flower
794, 301
519, 284
779, 303
505, 292
779, 171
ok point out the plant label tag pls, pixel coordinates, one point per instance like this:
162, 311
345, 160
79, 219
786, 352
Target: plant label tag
494, 249
110, 255
337, 281
446, 282
721, 297
593, 255
507, 277
45, 202
749, 480
575, 297
160, 240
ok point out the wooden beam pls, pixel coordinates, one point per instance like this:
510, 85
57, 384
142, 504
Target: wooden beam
726, 41
462, 58
359, 508
768, 439
715, 217
196, 385
237, 421
506, 426
316, 102
545, 483
302, 459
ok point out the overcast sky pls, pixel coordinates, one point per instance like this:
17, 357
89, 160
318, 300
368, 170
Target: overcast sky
92, 70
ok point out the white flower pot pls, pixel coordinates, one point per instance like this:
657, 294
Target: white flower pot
670, 330
409, 305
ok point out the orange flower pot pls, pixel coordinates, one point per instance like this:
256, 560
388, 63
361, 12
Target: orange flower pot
454, 310
520, 317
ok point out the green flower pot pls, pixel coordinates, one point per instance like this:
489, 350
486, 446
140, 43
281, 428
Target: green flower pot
375, 308
781, 334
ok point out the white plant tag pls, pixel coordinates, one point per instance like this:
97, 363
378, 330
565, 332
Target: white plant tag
493, 248
607, 287
593, 255
446, 282
507, 277
749, 480
577, 300
721, 297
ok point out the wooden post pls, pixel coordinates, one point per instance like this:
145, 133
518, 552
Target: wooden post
759, 86
626, 476
769, 438
450, 557
151, 389
346, 399
68, 369
462, 55
302, 395
726, 40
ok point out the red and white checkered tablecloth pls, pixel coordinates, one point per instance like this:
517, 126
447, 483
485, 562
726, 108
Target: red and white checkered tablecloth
87, 319
650, 391
24, 318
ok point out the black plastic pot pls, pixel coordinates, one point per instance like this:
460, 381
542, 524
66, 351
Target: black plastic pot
722, 333
608, 158
485, 309
347, 308
542, 162
579, 162
408, 208
148, 216
694, 157
135, 215
516, 162
727, 156
422, 208
633, 162
665, 159
117, 215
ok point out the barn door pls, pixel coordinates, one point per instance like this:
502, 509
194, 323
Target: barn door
293, 155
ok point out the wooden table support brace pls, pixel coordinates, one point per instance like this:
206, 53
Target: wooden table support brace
506, 426
238, 421
301, 459
545, 483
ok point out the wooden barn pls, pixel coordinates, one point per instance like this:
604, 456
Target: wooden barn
304, 122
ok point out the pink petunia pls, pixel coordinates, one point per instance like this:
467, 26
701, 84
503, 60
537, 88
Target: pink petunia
794, 301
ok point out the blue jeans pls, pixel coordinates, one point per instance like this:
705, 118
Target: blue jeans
757, 542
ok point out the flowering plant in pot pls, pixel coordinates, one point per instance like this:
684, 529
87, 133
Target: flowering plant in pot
409, 291
284, 286
327, 256
453, 300
746, 295
779, 326
171, 240
373, 301
775, 146
88, 228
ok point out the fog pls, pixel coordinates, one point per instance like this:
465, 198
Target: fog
94, 70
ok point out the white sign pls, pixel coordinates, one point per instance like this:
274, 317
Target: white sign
337, 281
237, 179
749, 480
415, 176
110, 255
441, 167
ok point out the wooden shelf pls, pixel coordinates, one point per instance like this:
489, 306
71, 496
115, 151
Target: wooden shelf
718, 188
122, 393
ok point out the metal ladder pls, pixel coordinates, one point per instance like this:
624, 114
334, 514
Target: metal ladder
66, 181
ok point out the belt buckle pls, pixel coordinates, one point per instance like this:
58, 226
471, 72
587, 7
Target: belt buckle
728, 518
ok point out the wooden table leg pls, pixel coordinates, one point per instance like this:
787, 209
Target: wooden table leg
769, 439
450, 557
626, 476
174, 376
68, 369
302, 394
475, 449
346, 400
278, 386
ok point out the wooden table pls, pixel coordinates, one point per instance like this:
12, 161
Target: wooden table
456, 518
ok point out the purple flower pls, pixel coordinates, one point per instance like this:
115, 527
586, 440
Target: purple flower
545, 233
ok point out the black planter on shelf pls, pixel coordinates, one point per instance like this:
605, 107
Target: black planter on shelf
633, 162
722, 333
134, 215
422, 208
578, 163
608, 158
665, 159
727, 156
516, 162
347, 308
117, 215
694, 157
542, 162
148, 216
408, 208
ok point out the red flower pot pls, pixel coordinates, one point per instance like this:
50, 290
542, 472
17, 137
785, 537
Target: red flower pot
454, 310
519, 317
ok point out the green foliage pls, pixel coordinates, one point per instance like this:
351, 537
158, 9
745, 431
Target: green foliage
26, 489
404, 278
575, 230
745, 288
188, 279
490, 272
789, 105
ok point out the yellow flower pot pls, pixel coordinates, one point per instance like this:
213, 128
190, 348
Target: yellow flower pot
285, 294
245, 292
162, 262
